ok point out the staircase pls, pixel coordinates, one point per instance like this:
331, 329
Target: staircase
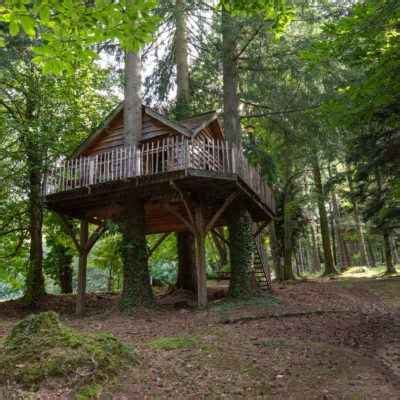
261, 269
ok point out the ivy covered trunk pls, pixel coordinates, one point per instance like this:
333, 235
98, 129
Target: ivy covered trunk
186, 261
35, 288
241, 253
136, 289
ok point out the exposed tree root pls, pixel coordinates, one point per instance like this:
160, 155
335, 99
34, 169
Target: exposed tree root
285, 315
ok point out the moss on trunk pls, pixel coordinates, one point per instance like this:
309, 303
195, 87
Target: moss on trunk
241, 251
136, 290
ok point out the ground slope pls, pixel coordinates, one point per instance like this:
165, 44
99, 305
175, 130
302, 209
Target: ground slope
331, 339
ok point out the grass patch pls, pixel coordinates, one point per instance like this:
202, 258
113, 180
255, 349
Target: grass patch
174, 342
40, 347
364, 272
90, 392
274, 343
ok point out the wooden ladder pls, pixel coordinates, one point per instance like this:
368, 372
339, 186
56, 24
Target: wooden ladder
261, 270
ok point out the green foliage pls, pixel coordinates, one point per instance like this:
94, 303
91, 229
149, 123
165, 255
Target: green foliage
174, 343
40, 347
275, 10
106, 256
67, 30
164, 272
90, 392
58, 260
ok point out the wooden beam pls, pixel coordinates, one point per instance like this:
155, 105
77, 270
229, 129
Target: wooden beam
224, 206
260, 228
220, 236
185, 203
95, 236
180, 217
158, 243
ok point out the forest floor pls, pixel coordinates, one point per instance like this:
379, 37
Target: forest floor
317, 339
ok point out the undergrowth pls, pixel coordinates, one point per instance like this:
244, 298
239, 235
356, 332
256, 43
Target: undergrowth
40, 347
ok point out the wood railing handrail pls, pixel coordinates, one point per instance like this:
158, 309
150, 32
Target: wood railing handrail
157, 157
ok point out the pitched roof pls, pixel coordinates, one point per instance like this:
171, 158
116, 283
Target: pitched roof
189, 127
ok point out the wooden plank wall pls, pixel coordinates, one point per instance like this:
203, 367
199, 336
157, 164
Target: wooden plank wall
114, 135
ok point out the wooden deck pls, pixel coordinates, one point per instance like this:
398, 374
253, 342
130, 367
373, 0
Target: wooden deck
210, 170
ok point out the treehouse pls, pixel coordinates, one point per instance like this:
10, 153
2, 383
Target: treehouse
185, 172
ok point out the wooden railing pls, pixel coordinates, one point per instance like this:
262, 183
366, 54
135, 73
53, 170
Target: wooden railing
158, 157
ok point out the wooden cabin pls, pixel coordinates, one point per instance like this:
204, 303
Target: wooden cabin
181, 169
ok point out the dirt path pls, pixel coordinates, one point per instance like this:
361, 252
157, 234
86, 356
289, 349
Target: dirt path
351, 353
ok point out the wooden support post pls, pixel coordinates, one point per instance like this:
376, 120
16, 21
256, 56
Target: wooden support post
220, 211
201, 273
83, 254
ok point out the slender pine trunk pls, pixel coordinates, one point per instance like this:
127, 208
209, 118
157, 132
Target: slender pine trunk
323, 220
316, 261
288, 273
181, 60
390, 269
275, 252
371, 252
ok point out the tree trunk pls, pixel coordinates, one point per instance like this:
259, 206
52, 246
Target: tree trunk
394, 250
316, 261
240, 234
333, 235
136, 288
275, 252
371, 253
133, 100
110, 280
230, 75
323, 220
82, 268
241, 251
186, 261
390, 269
35, 288
201, 267
185, 241
65, 278
288, 273
357, 221
343, 255
181, 60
